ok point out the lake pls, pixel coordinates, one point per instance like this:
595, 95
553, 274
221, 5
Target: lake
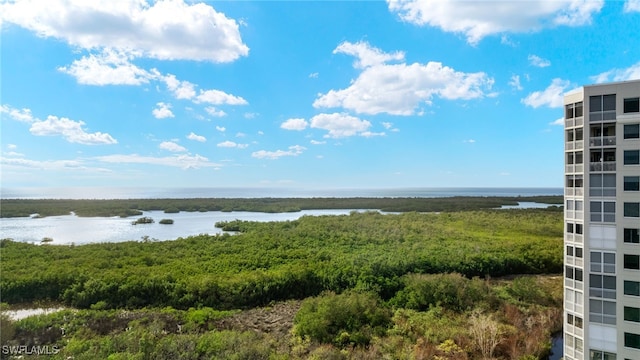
68, 229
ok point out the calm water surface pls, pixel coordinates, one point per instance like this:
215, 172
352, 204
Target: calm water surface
69, 229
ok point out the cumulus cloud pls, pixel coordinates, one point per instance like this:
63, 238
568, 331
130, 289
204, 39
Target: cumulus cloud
340, 125
162, 111
367, 55
215, 112
551, 96
70, 130
194, 137
166, 30
294, 124
217, 97
632, 5
171, 146
109, 67
22, 115
181, 89
537, 61
557, 122
231, 144
181, 161
294, 150
399, 89
624, 74
478, 19
221, 128
316, 142
515, 82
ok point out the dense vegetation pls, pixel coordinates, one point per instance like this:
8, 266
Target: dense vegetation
409, 286
133, 207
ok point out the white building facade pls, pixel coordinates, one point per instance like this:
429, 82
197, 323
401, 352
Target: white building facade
602, 222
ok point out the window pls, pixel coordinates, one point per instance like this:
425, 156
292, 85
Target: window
632, 288
602, 107
579, 252
574, 320
631, 105
632, 262
601, 355
570, 250
573, 273
603, 312
632, 183
569, 228
632, 157
602, 286
579, 228
602, 184
632, 131
632, 340
631, 314
632, 236
632, 210
603, 262
603, 211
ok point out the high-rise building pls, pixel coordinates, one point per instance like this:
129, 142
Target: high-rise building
602, 222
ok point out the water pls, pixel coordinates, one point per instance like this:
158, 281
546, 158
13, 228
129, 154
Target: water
68, 229
184, 193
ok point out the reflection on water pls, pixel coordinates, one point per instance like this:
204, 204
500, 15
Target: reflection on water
69, 229
557, 344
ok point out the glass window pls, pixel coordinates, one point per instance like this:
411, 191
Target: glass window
568, 111
632, 262
632, 131
602, 286
609, 102
632, 340
579, 229
632, 105
579, 252
601, 355
570, 250
632, 157
601, 311
632, 236
632, 288
631, 314
632, 210
570, 228
578, 107
632, 183
595, 103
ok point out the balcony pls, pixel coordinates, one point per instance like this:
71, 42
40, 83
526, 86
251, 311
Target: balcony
579, 121
602, 166
602, 141
602, 115
602, 191
574, 145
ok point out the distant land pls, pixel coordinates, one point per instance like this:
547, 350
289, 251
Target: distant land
265, 192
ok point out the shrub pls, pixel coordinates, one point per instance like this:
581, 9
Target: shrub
350, 318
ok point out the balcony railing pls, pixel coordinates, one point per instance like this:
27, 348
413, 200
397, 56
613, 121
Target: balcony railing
574, 145
574, 168
602, 166
602, 191
579, 121
602, 116
602, 141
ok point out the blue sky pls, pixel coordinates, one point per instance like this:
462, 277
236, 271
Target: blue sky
299, 94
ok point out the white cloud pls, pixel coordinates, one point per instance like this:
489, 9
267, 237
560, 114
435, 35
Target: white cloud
630, 73
294, 150
195, 137
215, 112
552, 96
181, 89
217, 97
12, 146
478, 19
314, 75
22, 115
107, 68
50, 165
231, 144
515, 82
71, 131
294, 124
171, 146
558, 122
166, 30
368, 134
182, 161
340, 125
469, 141
221, 128
316, 142
537, 61
387, 125
162, 111
399, 89
250, 115
367, 55
632, 5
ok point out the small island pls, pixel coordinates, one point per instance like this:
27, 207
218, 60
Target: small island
166, 221
143, 220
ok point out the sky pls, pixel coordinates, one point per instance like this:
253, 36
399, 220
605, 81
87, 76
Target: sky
299, 94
